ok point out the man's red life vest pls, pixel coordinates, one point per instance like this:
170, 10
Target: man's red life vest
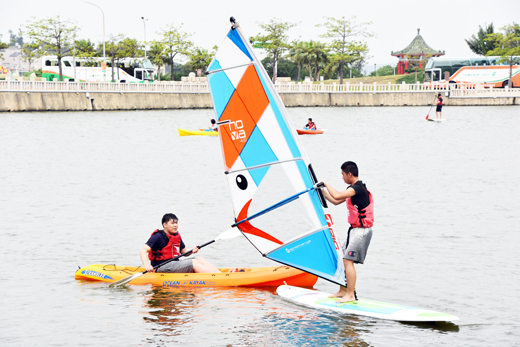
169, 251
312, 126
361, 218
439, 101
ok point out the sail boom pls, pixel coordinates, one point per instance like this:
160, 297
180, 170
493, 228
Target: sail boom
273, 207
209, 72
263, 165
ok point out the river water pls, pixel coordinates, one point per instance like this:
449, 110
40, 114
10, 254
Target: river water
83, 188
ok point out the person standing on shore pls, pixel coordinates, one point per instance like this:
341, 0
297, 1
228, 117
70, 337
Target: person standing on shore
438, 110
360, 206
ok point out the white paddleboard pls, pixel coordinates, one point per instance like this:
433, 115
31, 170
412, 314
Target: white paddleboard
362, 307
436, 120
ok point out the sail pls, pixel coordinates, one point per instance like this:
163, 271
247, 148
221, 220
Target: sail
270, 177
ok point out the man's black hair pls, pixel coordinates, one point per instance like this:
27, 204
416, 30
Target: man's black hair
212, 121
350, 166
310, 119
168, 217
439, 95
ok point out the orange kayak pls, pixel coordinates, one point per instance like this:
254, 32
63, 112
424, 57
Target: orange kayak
310, 132
253, 277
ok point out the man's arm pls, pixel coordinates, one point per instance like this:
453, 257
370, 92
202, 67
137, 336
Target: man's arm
335, 197
144, 258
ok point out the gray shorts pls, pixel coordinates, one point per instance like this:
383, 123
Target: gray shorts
356, 245
177, 266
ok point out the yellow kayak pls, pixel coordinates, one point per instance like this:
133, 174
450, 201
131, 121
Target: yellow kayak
184, 132
252, 277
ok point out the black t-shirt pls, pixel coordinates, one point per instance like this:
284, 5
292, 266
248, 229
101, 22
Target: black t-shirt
156, 242
361, 199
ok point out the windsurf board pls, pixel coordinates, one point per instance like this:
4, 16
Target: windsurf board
363, 307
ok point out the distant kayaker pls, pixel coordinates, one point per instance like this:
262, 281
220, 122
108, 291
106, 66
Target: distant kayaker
166, 244
213, 126
360, 206
438, 110
310, 125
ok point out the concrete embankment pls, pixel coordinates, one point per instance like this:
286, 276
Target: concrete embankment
12, 101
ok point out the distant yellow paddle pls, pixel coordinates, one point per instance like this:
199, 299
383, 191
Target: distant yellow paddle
228, 234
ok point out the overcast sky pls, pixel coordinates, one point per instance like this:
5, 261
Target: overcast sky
444, 24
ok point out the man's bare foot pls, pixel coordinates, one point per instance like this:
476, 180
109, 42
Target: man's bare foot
347, 297
233, 270
338, 294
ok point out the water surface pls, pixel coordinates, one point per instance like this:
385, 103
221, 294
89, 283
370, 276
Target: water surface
79, 188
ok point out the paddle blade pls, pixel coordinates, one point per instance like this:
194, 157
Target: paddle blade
126, 280
229, 234
427, 116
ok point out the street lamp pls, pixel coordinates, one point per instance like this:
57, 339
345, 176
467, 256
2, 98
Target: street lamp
104, 61
375, 70
144, 23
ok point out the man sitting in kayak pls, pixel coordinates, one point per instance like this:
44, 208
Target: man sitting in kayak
167, 244
213, 126
310, 125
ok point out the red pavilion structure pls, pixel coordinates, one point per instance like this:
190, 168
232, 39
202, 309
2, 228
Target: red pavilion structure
417, 50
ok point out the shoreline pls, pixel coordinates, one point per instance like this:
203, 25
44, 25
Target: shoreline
37, 101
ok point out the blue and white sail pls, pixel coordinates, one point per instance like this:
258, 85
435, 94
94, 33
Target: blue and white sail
270, 177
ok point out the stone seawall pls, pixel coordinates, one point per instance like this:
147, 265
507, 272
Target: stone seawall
108, 101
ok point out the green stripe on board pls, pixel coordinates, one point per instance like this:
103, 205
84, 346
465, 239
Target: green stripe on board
433, 314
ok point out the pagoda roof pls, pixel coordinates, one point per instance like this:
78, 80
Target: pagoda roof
418, 47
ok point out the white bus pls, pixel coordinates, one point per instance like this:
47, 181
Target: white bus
131, 70
486, 71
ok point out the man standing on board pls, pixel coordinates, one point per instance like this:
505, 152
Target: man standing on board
167, 244
360, 206
438, 110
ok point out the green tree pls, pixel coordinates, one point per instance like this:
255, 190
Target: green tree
286, 68
344, 50
29, 54
52, 35
86, 49
114, 49
481, 45
297, 55
2, 46
132, 48
175, 42
156, 56
386, 70
200, 58
507, 47
276, 41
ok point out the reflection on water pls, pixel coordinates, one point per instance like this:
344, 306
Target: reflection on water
242, 316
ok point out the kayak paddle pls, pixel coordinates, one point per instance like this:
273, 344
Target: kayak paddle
228, 234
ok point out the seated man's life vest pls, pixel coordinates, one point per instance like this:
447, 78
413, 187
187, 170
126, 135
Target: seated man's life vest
361, 218
169, 251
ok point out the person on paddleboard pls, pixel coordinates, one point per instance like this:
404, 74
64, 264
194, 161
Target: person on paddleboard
213, 126
310, 125
360, 207
166, 244
438, 110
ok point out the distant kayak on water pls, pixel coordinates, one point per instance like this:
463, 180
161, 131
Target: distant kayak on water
310, 132
185, 132
261, 276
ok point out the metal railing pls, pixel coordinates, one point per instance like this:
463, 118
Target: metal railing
455, 90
